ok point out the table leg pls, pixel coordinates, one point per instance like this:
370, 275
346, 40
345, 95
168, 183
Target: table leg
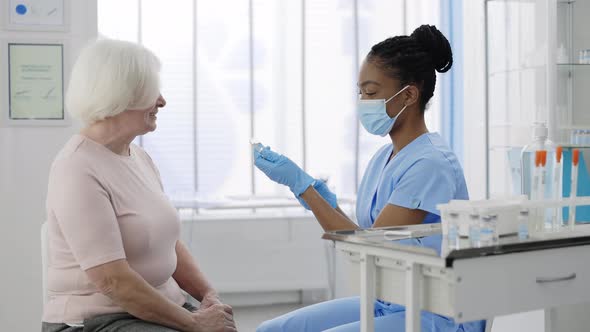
367, 292
413, 285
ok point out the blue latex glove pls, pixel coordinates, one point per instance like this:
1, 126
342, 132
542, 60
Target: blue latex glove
322, 189
282, 170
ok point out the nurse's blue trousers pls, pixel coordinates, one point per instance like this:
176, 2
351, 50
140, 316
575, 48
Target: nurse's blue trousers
343, 315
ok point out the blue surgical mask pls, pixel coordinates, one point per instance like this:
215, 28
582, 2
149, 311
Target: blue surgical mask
374, 117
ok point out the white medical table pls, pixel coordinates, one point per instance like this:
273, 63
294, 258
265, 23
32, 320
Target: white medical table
467, 283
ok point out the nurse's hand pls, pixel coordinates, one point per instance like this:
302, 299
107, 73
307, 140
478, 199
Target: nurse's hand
282, 170
322, 189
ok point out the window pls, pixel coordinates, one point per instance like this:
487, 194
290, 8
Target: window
281, 71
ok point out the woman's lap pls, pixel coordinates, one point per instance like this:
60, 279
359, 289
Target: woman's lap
121, 322
109, 323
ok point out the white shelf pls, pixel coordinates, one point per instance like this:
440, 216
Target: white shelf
504, 147
581, 65
514, 70
572, 127
560, 2
513, 1
575, 146
513, 124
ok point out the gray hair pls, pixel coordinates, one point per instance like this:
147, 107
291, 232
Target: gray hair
111, 76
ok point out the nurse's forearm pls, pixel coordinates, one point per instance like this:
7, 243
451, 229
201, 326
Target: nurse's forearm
329, 218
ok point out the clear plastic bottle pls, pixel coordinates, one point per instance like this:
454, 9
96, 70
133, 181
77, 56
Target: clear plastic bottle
474, 229
527, 160
453, 231
488, 229
523, 225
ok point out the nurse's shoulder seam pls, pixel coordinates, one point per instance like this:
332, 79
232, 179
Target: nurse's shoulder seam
450, 162
432, 160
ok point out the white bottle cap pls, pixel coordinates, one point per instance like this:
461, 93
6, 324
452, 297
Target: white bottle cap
540, 130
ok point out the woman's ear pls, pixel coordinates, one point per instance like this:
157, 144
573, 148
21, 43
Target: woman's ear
412, 95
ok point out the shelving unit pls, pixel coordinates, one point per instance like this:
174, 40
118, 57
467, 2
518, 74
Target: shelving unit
572, 78
528, 80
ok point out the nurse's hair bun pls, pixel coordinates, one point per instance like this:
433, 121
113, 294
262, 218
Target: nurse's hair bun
414, 59
436, 45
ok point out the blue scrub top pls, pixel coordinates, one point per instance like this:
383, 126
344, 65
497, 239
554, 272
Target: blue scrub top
423, 174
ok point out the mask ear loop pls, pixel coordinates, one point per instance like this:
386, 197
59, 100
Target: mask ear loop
400, 91
405, 106
403, 109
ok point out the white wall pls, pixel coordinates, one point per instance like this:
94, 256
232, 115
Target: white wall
25, 157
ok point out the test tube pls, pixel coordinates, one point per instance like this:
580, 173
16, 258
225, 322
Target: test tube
542, 188
557, 188
574, 187
536, 175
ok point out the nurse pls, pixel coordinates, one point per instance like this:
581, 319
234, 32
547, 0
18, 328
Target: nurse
403, 182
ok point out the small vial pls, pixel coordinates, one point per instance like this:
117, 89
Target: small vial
488, 229
495, 235
256, 145
474, 229
453, 231
523, 225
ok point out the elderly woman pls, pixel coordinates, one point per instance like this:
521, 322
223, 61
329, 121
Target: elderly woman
115, 259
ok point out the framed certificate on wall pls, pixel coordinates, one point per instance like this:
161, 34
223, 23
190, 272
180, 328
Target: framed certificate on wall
35, 84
